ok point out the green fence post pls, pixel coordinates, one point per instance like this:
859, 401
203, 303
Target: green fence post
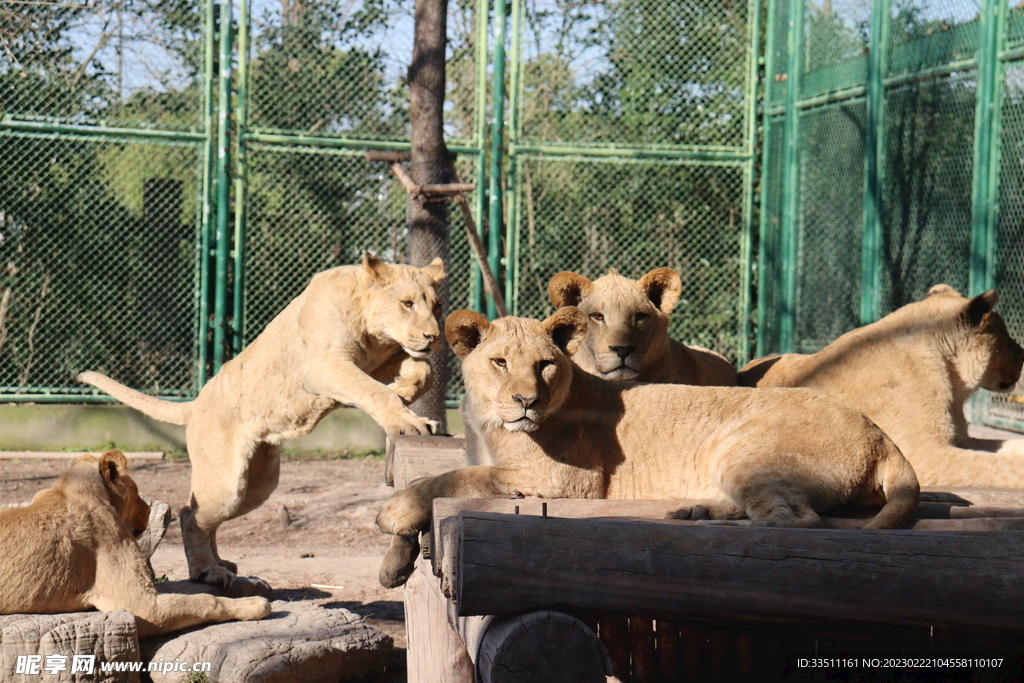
495, 222
874, 156
985, 181
747, 253
205, 238
240, 180
480, 141
513, 192
220, 313
791, 175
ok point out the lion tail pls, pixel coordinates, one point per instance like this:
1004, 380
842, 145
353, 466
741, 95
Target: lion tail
158, 409
899, 483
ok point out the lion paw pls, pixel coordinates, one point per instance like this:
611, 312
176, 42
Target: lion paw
404, 514
399, 562
412, 424
216, 575
697, 512
250, 609
230, 566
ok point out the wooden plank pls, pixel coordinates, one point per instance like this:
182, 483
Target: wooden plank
425, 456
614, 633
641, 650
436, 653
60, 455
667, 569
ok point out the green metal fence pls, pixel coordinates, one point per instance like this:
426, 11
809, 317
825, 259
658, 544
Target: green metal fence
171, 174
892, 162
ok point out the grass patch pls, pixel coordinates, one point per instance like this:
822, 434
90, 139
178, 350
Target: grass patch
342, 454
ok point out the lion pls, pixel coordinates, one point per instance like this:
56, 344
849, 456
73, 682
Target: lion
911, 373
627, 330
747, 456
72, 549
358, 335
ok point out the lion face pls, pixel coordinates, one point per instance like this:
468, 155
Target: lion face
403, 304
986, 354
517, 371
627, 320
124, 494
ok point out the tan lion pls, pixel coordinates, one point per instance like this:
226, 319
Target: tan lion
73, 549
627, 330
911, 373
358, 335
555, 431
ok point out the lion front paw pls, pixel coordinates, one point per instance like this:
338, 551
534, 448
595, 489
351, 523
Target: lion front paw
214, 575
405, 513
411, 424
697, 512
399, 562
250, 609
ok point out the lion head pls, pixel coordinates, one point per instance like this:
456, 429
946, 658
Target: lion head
984, 351
627, 320
124, 494
517, 371
402, 304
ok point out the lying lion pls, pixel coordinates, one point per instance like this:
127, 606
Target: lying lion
764, 457
627, 330
911, 373
72, 549
358, 335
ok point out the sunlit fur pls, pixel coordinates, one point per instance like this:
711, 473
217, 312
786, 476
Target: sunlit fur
357, 335
911, 373
72, 549
762, 457
623, 315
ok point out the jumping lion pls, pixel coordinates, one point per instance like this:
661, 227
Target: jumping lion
73, 549
555, 431
627, 330
358, 335
911, 373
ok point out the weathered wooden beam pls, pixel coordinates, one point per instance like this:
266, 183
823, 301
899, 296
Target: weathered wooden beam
436, 653
425, 456
671, 570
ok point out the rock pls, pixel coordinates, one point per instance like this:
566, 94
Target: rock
298, 643
110, 636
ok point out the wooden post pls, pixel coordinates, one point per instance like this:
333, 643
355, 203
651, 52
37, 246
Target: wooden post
436, 653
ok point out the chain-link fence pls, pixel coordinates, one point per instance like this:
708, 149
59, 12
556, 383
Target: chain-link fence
893, 162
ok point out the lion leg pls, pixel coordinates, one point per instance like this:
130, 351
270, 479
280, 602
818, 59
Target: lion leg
156, 614
778, 509
220, 481
408, 377
713, 508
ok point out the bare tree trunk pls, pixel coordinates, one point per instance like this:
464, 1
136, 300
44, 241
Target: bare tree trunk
428, 221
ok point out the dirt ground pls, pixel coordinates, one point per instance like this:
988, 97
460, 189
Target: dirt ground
314, 539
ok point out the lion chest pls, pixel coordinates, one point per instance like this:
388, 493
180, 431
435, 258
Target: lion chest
305, 415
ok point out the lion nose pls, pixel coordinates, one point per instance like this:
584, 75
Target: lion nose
623, 351
524, 401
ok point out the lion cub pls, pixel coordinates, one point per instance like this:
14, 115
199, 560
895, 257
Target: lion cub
627, 330
766, 457
358, 335
73, 549
911, 373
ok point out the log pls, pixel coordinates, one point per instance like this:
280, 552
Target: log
672, 570
540, 647
425, 456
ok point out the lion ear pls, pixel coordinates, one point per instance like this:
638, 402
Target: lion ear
113, 466
434, 270
464, 329
663, 287
567, 289
979, 306
378, 271
567, 327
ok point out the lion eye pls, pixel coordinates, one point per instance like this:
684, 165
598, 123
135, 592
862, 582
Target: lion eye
407, 304
499, 362
597, 317
640, 317
545, 364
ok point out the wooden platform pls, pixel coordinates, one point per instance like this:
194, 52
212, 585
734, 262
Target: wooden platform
613, 588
